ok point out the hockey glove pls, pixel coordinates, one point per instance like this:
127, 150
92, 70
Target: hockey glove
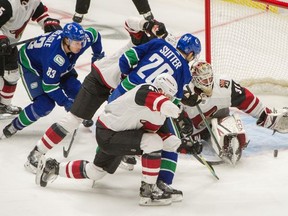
187, 147
5, 48
276, 120
185, 124
51, 25
97, 56
155, 28
190, 99
77, 17
68, 104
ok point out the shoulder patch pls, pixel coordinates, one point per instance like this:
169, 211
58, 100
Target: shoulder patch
58, 59
224, 83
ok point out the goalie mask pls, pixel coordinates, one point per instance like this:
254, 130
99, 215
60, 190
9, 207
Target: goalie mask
166, 83
202, 77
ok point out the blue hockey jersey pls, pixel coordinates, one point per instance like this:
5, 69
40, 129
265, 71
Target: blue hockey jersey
46, 58
141, 64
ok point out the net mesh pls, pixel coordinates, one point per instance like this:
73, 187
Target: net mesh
249, 41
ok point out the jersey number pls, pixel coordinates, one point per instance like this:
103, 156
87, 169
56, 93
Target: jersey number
1, 10
156, 61
37, 44
51, 73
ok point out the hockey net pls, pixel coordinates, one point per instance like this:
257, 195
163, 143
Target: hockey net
248, 40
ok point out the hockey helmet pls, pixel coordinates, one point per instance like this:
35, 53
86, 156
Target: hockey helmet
74, 31
189, 43
202, 77
166, 83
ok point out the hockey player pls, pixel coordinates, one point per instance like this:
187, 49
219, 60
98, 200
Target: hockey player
143, 63
14, 16
47, 67
219, 93
133, 129
143, 7
96, 87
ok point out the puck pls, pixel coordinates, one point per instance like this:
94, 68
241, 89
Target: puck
275, 153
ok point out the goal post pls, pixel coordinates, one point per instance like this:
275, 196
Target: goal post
248, 40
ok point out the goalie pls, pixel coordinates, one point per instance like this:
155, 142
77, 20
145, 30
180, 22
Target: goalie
218, 94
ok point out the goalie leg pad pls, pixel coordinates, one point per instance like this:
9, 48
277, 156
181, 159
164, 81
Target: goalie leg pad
231, 138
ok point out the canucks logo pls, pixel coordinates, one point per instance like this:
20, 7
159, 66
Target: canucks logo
59, 60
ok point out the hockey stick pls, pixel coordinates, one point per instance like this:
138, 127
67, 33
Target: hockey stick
206, 124
209, 129
197, 156
66, 152
203, 161
23, 41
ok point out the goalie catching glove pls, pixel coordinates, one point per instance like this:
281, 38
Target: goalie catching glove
276, 120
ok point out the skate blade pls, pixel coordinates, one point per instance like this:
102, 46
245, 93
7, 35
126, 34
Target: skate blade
39, 171
5, 116
30, 168
146, 201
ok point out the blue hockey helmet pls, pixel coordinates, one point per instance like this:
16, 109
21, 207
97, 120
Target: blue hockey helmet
74, 31
189, 43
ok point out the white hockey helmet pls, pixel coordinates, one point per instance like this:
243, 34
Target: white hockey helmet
166, 83
202, 77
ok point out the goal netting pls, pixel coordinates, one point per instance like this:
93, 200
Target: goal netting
248, 40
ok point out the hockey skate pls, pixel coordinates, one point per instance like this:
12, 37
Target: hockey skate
176, 195
128, 162
32, 160
9, 109
47, 171
151, 195
8, 131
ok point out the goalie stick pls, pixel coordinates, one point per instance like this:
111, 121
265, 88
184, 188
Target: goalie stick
209, 129
66, 152
207, 124
198, 157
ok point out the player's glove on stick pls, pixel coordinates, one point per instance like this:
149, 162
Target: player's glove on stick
51, 25
5, 48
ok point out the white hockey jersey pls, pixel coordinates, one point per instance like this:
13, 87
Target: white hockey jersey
142, 107
226, 93
108, 67
15, 15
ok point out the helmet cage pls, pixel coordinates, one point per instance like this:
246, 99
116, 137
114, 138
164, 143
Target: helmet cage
202, 77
